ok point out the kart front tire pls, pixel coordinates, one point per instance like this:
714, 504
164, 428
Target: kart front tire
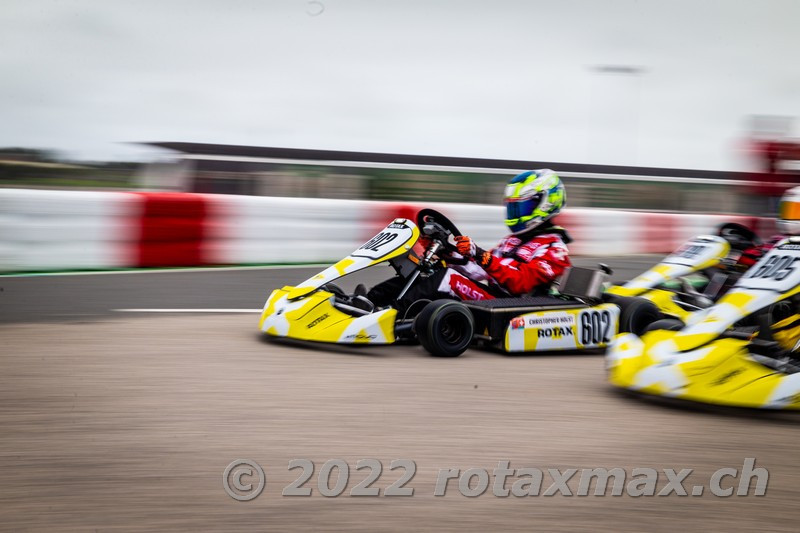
445, 328
636, 314
668, 324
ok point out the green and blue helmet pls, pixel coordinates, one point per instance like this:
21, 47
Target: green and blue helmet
532, 198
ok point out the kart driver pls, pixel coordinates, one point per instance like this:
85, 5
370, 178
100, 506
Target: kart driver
784, 316
788, 224
525, 262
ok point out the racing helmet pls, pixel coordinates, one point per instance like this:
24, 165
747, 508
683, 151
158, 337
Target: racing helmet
789, 212
531, 198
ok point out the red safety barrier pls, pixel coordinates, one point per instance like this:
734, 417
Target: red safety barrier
172, 229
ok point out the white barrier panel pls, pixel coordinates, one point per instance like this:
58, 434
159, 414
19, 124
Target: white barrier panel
601, 231
64, 230
257, 230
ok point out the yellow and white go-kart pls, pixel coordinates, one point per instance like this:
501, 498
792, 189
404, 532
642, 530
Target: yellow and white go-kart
317, 310
741, 351
693, 277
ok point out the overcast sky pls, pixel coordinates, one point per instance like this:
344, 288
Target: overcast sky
505, 79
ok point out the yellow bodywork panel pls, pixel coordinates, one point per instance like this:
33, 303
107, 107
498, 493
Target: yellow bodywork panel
722, 372
787, 332
665, 301
621, 290
315, 318
306, 312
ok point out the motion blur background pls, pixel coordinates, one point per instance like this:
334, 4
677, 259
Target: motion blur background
639, 104
124, 395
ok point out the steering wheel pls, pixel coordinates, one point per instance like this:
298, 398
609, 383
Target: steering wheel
434, 224
740, 237
432, 215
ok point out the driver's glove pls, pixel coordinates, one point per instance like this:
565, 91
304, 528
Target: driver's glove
468, 248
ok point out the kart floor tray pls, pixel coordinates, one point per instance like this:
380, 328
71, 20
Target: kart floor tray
492, 316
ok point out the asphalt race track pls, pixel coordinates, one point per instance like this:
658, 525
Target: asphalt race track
127, 420
90, 296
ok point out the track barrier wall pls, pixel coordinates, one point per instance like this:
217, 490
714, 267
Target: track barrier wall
44, 230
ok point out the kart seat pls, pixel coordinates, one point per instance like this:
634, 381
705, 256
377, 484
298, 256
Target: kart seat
584, 282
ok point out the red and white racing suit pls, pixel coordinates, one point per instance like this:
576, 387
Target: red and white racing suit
516, 267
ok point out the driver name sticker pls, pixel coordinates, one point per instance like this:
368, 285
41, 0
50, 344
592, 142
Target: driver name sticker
592, 327
388, 240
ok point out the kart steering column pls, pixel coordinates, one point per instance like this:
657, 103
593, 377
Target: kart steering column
425, 263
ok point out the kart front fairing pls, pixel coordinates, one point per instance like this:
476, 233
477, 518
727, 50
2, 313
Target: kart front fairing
705, 361
307, 311
692, 257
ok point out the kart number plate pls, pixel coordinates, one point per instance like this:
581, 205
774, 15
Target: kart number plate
777, 271
696, 251
596, 328
390, 239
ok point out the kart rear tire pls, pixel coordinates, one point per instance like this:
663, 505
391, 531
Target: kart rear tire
445, 328
636, 314
668, 324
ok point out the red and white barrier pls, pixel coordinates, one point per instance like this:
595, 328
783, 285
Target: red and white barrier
71, 230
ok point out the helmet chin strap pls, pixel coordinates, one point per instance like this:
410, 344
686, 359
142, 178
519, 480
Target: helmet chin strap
545, 227
532, 230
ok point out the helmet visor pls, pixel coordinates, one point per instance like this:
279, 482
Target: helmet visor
516, 209
789, 210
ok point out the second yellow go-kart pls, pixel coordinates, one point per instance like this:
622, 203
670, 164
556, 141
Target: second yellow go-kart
693, 277
742, 351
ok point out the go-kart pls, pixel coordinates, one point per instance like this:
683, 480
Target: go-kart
317, 310
742, 351
693, 277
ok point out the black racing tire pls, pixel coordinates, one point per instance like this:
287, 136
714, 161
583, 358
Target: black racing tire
636, 314
445, 328
333, 288
668, 324
610, 298
769, 316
